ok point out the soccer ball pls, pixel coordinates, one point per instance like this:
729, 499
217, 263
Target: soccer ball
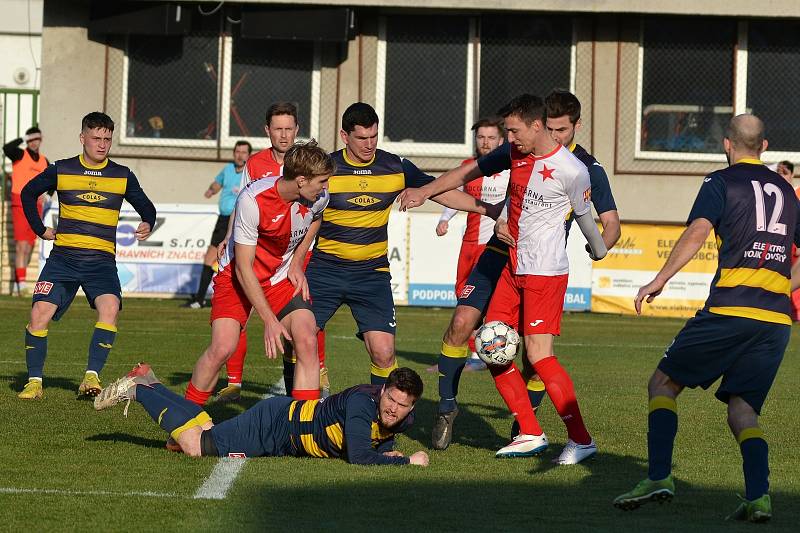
496, 343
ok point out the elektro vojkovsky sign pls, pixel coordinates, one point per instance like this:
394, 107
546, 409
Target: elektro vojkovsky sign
636, 259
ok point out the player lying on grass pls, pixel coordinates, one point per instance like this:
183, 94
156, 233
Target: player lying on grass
358, 424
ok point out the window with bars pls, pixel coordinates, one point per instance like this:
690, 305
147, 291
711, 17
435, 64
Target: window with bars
696, 73
177, 88
437, 74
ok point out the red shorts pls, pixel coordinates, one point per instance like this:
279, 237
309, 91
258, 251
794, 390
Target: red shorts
538, 300
467, 259
230, 301
22, 230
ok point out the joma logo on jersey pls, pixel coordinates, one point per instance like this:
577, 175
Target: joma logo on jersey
91, 197
92, 173
364, 200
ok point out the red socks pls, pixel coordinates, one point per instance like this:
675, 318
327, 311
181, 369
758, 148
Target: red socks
321, 347
561, 391
512, 388
193, 394
235, 365
305, 394
20, 274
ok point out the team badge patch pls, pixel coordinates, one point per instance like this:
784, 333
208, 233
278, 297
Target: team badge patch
364, 200
587, 195
92, 197
466, 291
237, 455
42, 287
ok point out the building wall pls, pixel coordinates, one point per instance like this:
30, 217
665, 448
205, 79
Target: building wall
80, 75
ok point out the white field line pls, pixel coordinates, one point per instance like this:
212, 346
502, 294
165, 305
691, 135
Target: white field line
66, 492
227, 469
221, 479
127, 364
277, 389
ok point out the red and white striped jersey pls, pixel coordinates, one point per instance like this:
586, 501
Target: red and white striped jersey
274, 226
491, 189
543, 192
261, 165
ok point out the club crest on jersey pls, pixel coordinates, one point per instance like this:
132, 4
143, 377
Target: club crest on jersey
363, 200
363, 184
91, 197
466, 291
42, 287
587, 195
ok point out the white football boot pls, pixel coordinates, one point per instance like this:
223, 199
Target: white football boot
523, 446
573, 453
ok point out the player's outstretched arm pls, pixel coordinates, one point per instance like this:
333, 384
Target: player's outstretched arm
597, 247
689, 244
419, 458
796, 275
273, 330
213, 189
136, 196
462, 201
359, 413
611, 227
452, 179
444, 221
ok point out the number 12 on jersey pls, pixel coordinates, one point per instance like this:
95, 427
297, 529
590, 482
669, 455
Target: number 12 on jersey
761, 218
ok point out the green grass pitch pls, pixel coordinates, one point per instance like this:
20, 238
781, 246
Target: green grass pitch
66, 467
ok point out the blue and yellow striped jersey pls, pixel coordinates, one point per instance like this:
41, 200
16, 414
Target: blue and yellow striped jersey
354, 225
755, 213
90, 198
346, 425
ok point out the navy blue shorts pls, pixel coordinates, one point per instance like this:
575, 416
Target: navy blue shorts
746, 353
368, 293
478, 290
261, 431
61, 277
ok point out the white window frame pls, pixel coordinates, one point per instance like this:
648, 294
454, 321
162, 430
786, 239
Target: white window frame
222, 138
262, 143
739, 106
422, 148
742, 58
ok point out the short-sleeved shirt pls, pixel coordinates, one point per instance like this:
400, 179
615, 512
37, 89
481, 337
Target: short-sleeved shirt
490, 189
543, 192
754, 212
275, 227
230, 181
261, 165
